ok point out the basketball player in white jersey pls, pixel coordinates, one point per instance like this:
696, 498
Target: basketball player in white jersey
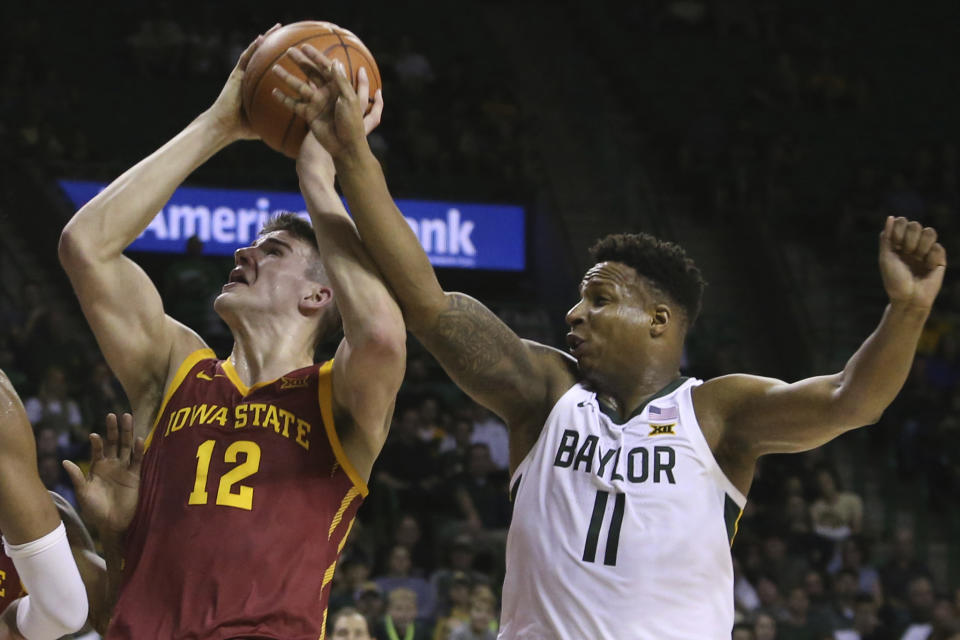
628, 479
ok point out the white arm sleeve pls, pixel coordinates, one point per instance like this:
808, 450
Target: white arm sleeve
57, 601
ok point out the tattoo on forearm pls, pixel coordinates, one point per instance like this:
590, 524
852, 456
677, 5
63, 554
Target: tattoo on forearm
470, 342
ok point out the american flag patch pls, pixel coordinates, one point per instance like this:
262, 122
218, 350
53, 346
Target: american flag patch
664, 413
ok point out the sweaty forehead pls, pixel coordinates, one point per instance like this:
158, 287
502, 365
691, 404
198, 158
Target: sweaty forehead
285, 238
610, 273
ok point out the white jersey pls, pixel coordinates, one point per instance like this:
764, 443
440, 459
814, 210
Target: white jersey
621, 531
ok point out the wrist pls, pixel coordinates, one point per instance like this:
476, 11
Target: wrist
353, 156
219, 131
909, 310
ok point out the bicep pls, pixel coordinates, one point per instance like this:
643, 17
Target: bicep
486, 359
773, 416
125, 312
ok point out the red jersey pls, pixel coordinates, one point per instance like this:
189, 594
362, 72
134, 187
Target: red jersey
246, 500
10, 587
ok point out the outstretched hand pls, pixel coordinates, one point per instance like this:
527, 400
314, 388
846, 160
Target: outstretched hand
108, 493
227, 109
912, 262
327, 102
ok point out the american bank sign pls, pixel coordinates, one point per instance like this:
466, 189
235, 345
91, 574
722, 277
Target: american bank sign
462, 235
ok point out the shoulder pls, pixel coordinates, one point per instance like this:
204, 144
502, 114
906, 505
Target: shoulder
724, 395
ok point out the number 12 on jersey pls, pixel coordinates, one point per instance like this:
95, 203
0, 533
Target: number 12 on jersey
613, 534
242, 499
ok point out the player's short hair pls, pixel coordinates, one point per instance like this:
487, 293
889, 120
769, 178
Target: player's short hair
293, 224
665, 265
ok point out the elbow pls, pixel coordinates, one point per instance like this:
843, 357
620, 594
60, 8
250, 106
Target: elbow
73, 618
388, 339
72, 249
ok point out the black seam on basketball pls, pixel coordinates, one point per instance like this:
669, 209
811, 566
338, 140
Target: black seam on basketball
371, 65
293, 117
346, 54
256, 86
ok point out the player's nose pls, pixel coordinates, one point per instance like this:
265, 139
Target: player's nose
574, 316
244, 256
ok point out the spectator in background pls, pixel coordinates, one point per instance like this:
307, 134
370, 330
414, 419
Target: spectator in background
54, 408
455, 449
405, 467
483, 494
785, 569
745, 595
47, 444
901, 569
843, 599
102, 394
765, 627
399, 576
917, 620
742, 631
798, 533
853, 558
836, 514
455, 605
401, 618
771, 601
409, 534
866, 623
460, 560
189, 286
369, 601
51, 474
349, 624
489, 430
799, 624
353, 572
482, 615
429, 429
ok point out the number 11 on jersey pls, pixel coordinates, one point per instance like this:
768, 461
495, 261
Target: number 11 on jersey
613, 534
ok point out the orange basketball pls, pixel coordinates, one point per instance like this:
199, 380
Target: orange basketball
279, 128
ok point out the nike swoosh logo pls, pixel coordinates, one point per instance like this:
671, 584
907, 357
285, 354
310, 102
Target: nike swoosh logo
203, 376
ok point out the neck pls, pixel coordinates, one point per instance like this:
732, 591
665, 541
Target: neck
629, 396
267, 355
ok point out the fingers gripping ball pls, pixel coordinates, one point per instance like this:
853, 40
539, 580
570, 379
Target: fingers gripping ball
279, 128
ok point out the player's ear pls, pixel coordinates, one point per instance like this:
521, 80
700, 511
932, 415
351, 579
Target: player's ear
315, 300
660, 320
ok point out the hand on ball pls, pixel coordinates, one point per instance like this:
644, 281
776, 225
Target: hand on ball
327, 101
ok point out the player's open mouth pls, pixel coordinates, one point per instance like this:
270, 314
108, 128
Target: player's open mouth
237, 276
574, 342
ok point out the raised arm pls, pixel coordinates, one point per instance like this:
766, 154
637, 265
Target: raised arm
119, 301
371, 358
514, 378
760, 415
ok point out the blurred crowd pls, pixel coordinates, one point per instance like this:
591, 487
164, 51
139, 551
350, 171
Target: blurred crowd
853, 541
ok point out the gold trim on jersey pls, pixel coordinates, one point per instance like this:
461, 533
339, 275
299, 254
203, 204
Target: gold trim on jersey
234, 377
188, 363
325, 396
347, 499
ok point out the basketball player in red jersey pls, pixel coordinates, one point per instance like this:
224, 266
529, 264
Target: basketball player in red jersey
48, 551
255, 465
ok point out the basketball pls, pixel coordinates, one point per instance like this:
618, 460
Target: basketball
279, 128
